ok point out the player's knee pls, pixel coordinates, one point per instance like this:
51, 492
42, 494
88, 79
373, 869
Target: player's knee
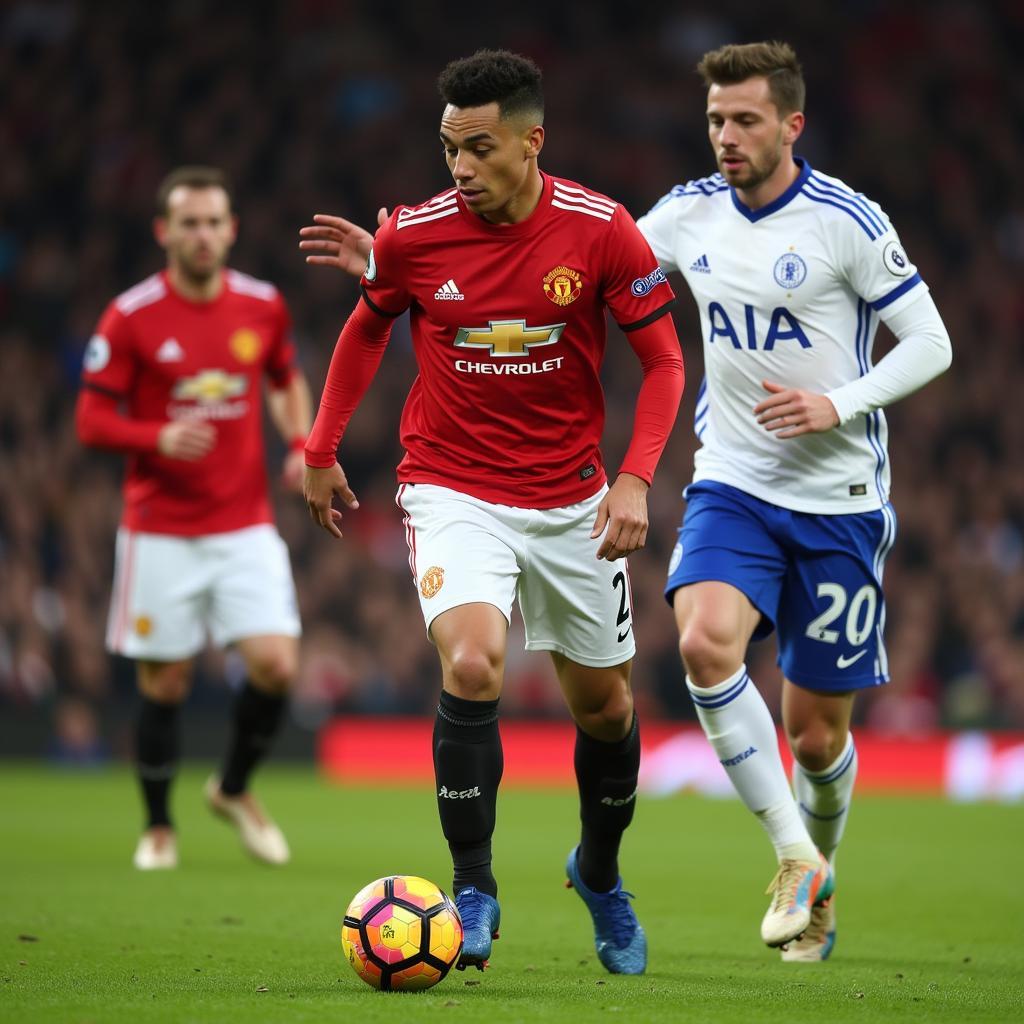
816, 745
165, 684
708, 654
611, 720
473, 674
273, 671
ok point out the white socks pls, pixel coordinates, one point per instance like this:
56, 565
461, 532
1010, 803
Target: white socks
824, 798
739, 726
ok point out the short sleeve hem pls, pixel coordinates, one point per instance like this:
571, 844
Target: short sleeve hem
650, 318
377, 309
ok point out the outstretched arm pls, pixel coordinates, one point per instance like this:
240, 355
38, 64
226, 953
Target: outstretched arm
335, 242
355, 361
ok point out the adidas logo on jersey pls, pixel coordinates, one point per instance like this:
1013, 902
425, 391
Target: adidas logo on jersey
449, 292
701, 266
170, 351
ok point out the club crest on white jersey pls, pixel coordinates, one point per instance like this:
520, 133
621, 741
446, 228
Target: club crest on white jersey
790, 270
795, 298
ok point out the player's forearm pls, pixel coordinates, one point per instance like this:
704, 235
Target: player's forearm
924, 351
99, 424
657, 347
291, 409
354, 364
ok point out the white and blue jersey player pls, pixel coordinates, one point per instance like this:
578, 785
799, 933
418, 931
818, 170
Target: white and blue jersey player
788, 520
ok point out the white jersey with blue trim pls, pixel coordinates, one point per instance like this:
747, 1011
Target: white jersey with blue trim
790, 293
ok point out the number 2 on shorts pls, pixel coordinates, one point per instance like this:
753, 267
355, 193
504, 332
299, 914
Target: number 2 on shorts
619, 580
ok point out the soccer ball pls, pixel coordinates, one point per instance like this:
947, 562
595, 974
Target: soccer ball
401, 933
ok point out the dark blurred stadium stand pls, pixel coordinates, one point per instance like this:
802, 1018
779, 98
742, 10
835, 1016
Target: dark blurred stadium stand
329, 106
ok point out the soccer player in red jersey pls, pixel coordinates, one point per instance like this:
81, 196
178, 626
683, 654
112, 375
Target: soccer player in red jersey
507, 277
172, 379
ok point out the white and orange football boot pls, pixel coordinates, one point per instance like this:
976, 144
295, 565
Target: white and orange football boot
797, 886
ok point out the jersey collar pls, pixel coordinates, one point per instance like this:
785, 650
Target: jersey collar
196, 303
776, 204
523, 227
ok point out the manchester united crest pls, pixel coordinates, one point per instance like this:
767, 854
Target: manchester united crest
245, 345
562, 285
431, 581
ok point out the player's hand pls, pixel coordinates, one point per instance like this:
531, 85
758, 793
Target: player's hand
622, 517
319, 487
335, 242
189, 440
792, 411
294, 470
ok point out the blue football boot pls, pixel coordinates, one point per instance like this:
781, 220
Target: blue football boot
618, 937
481, 916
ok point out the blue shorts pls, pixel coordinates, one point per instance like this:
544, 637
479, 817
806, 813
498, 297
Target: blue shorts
816, 579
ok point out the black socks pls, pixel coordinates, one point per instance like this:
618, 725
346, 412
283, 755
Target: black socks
157, 744
467, 769
256, 721
607, 776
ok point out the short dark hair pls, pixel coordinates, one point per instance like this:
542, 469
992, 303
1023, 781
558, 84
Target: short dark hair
729, 65
191, 176
494, 76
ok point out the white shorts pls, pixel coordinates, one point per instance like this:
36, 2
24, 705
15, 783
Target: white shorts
463, 550
170, 591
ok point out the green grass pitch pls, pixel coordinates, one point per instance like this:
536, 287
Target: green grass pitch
930, 906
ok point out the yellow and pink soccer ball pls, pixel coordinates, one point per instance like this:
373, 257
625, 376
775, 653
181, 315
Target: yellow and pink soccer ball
401, 933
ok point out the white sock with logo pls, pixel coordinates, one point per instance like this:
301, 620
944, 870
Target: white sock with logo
824, 798
739, 726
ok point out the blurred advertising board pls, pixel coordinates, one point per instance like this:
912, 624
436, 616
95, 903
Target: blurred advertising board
964, 766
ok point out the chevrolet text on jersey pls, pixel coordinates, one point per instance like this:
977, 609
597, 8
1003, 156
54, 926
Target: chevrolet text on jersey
520, 350
169, 359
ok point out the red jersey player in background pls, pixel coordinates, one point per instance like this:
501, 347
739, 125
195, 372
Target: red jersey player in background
173, 379
507, 277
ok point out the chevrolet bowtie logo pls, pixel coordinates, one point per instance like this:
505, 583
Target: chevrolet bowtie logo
508, 337
210, 386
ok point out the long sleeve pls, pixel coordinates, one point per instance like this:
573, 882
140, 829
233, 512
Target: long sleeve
100, 425
923, 352
657, 348
356, 358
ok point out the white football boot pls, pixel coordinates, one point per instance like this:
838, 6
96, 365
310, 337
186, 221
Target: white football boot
259, 835
157, 850
818, 941
796, 888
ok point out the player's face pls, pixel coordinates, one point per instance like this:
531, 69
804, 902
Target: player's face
493, 161
747, 133
198, 231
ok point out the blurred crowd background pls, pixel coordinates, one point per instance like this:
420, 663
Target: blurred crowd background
314, 106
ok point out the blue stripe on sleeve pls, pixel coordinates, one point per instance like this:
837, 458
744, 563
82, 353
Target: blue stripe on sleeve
839, 204
899, 290
871, 423
854, 198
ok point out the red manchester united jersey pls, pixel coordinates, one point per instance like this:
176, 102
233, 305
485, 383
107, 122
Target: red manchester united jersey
508, 326
168, 358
